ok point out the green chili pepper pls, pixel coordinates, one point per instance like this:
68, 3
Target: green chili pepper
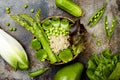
38, 72
97, 16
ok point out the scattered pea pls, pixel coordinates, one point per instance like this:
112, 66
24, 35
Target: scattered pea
7, 24
98, 42
25, 6
7, 10
94, 35
11, 29
32, 10
14, 29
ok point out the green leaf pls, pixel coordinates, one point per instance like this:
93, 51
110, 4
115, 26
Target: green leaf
35, 44
41, 55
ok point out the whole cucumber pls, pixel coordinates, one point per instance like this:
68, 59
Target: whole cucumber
70, 7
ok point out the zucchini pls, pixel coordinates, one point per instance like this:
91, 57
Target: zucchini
70, 7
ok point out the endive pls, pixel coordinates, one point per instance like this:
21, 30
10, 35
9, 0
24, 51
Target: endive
12, 51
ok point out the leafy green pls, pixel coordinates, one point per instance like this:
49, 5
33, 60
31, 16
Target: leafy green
104, 66
66, 55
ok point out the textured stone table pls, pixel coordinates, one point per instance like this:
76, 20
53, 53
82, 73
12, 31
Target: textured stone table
49, 9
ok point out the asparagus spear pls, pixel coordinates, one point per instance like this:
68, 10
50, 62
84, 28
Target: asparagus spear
37, 32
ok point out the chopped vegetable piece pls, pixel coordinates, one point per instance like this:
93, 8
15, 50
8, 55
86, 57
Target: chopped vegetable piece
38, 72
55, 22
64, 24
41, 55
66, 55
35, 44
104, 66
32, 10
115, 75
12, 51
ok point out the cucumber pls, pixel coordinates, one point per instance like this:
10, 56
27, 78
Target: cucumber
70, 7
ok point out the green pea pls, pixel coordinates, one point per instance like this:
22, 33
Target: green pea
25, 6
14, 29
32, 10
11, 29
106, 27
7, 24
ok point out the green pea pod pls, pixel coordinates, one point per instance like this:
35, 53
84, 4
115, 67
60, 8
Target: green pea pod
41, 55
97, 16
38, 72
35, 44
70, 72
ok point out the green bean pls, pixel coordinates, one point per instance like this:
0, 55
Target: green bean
97, 16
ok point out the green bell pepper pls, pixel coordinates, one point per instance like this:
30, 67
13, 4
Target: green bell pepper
70, 72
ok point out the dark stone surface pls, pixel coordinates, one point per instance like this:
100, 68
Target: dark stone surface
49, 9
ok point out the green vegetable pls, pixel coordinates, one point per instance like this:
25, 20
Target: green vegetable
12, 51
109, 31
115, 75
25, 6
38, 72
103, 67
7, 24
32, 10
65, 24
12, 29
41, 55
97, 16
37, 31
35, 44
70, 7
77, 48
94, 35
47, 24
66, 55
56, 22
70, 72
98, 42
7, 10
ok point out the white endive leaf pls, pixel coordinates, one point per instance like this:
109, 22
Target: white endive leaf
12, 51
